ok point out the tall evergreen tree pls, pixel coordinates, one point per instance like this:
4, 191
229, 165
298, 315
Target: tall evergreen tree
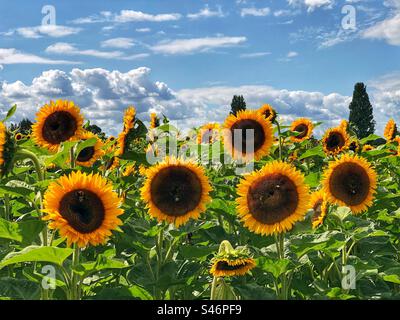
237, 104
361, 112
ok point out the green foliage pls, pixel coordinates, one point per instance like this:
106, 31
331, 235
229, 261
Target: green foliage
237, 104
361, 112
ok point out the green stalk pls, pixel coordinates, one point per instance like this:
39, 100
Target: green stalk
279, 138
7, 208
75, 288
213, 288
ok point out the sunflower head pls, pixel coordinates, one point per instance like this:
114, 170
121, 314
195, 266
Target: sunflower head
18, 136
303, 127
231, 262
344, 124
350, 181
154, 120
129, 118
208, 133
88, 156
57, 122
83, 208
7, 150
129, 170
319, 204
354, 146
272, 199
390, 131
176, 190
247, 130
335, 140
367, 147
268, 112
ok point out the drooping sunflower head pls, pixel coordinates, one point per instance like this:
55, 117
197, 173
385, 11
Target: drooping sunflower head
154, 120
129, 118
335, 140
303, 127
208, 133
83, 208
57, 122
268, 112
350, 181
367, 147
319, 204
271, 200
354, 146
231, 262
247, 135
88, 156
176, 190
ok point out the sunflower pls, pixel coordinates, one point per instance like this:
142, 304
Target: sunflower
7, 150
129, 170
335, 140
390, 130
19, 136
354, 145
260, 141
88, 156
84, 208
225, 267
112, 164
350, 181
176, 190
231, 262
272, 199
319, 203
110, 144
57, 122
367, 147
154, 121
302, 126
3, 141
129, 118
344, 124
208, 133
268, 112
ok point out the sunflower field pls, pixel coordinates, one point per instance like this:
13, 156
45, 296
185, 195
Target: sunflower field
251, 208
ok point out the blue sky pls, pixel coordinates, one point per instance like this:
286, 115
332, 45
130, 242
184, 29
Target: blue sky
189, 56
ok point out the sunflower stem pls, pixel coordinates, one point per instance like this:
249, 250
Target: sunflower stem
72, 157
279, 138
7, 208
213, 288
23, 153
75, 285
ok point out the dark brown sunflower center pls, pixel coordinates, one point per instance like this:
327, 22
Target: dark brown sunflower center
272, 198
176, 190
302, 129
335, 141
59, 127
256, 139
83, 210
86, 154
350, 183
317, 210
353, 146
223, 265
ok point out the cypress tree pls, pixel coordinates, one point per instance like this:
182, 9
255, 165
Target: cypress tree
361, 112
237, 104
